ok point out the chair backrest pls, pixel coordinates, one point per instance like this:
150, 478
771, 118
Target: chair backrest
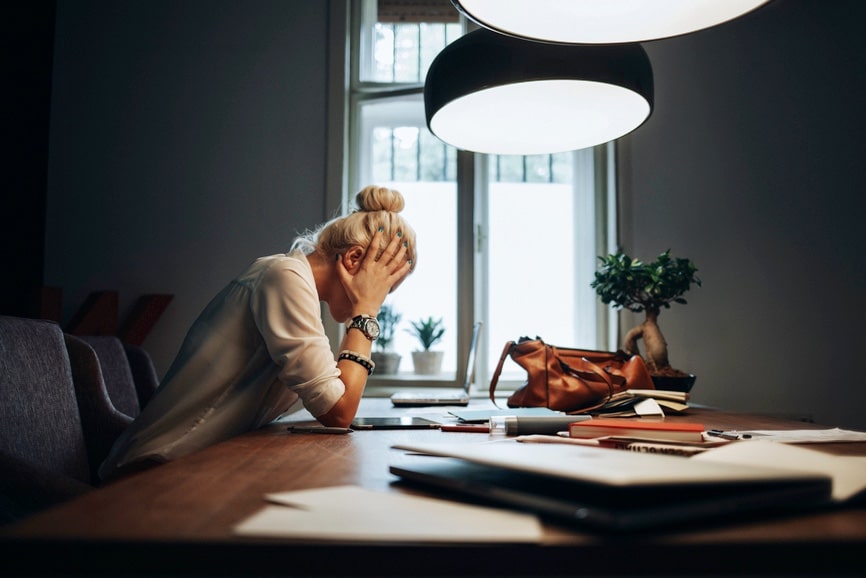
101, 420
116, 372
42, 446
143, 373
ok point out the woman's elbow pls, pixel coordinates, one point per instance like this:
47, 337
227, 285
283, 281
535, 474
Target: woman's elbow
337, 416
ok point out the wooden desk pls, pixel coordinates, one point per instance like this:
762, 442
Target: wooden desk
177, 519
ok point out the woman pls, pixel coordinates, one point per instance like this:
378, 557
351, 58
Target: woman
260, 345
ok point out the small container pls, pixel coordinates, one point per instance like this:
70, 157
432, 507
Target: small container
503, 425
509, 425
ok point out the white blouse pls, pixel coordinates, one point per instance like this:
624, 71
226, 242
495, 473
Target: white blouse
257, 348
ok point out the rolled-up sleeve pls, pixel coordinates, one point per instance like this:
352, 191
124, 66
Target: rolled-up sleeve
287, 311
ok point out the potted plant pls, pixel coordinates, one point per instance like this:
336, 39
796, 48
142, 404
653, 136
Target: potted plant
429, 332
648, 287
387, 361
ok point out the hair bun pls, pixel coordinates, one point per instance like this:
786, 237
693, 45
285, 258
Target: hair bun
375, 198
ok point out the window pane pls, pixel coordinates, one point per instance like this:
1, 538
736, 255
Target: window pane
383, 53
509, 168
407, 52
434, 159
538, 169
405, 156
540, 236
563, 165
402, 53
382, 157
405, 143
531, 247
431, 291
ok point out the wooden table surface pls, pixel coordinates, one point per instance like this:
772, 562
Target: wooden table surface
178, 519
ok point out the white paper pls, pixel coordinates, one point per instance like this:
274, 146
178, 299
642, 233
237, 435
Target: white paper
648, 406
848, 472
354, 514
806, 436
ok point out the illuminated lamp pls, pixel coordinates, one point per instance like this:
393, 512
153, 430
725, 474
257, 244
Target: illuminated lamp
490, 93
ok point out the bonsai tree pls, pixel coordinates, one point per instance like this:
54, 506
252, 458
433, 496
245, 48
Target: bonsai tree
428, 331
646, 287
388, 318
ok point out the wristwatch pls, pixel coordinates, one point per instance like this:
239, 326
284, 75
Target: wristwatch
367, 324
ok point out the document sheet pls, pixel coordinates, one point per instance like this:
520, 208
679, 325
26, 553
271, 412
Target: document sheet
355, 514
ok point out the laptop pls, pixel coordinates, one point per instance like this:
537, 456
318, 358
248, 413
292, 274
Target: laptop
434, 397
607, 490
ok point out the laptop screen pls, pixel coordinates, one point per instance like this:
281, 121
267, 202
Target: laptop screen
469, 374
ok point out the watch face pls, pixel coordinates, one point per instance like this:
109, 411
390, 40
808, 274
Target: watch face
371, 328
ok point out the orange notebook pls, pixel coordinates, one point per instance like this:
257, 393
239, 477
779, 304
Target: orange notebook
595, 428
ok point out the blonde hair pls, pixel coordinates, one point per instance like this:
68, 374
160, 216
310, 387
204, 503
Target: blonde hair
376, 207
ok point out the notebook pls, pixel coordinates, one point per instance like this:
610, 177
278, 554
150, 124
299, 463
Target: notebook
484, 415
608, 490
438, 396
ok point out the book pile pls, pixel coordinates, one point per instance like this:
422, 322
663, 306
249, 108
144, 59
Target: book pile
638, 402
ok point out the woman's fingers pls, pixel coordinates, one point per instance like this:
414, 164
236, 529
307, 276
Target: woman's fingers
393, 254
398, 258
392, 251
380, 271
373, 252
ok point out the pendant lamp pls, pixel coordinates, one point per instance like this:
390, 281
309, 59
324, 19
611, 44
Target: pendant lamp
602, 21
490, 93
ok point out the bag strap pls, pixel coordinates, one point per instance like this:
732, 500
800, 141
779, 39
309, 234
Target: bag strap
495, 379
606, 377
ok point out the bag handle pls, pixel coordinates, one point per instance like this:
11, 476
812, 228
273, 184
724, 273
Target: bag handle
495, 379
606, 377
611, 379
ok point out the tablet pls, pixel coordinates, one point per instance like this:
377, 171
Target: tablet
394, 422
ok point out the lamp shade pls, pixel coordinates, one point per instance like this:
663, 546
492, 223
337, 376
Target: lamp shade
495, 94
602, 21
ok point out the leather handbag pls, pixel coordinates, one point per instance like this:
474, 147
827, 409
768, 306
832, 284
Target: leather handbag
568, 379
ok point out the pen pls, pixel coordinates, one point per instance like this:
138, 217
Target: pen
727, 435
318, 429
477, 428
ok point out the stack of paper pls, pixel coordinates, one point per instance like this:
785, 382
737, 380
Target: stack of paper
354, 514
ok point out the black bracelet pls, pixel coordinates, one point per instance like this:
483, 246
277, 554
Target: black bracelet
361, 360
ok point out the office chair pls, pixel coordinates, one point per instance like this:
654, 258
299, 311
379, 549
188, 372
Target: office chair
116, 372
143, 373
43, 453
101, 419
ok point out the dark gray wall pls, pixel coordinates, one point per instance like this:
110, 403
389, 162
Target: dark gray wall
187, 138
751, 165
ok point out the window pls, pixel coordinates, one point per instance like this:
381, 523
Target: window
509, 240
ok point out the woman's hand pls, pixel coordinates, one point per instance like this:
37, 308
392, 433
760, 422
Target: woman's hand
376, 275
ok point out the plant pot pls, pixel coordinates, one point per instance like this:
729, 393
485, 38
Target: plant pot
674, 383
387, 362
427, 362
